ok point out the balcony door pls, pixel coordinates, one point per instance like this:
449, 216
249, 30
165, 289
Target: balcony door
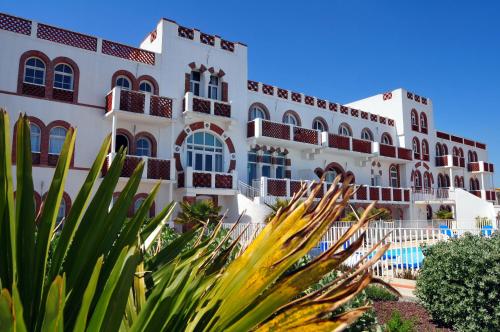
204, 152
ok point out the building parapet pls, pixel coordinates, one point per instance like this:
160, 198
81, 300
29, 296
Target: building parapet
75, 39
323, 104
457, 139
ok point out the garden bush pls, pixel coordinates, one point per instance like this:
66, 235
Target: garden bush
399, 324
459, 283
376, 293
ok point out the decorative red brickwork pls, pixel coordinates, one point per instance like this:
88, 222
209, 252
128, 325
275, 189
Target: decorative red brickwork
354, 112
339, 142
282, 93
332, 107
296, 97
390, 122
268, 89
276, 187
227, 45
387, 150
364, 115
161, 106
387, 96
201, 105
361, 145
223, 181
404, 153
344, 109
251, 129
66, 37
373, 117
305, 135
207, 39
159, 169
374, 193
217, 129
386, 194
308, 100
132, 101
127, 52
15, 24
396, 194
222, 109
203, 180
185, 32
321, 103
362, 193
382, 119
252, 85
275, 130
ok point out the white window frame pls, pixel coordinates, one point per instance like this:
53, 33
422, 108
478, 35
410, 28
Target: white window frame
124, 78
205, 150
195, 84
319, 125
39, 135
147, 83
386, 140
290, 119
148, 149
35, 69
53, 136
255, 110
367, 135
393, 176
213, 88
344, 130
63, 74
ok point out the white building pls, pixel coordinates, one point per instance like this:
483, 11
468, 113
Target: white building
182, 101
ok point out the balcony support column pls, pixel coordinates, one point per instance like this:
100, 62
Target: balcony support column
113, 134
147, 103
288, 194
189, 177
452, 181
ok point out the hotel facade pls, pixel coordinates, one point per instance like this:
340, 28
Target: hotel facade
183, 102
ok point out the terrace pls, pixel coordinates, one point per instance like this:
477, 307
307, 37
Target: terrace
197, 108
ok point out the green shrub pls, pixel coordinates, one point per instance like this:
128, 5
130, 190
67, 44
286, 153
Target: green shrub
399, 324
459, 283
377, 293
444, 214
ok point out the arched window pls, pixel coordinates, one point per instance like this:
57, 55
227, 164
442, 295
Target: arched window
213, 87
319, 125
204, 152
195, 82
121, 141
474, 184
386, 139
427, 180
56, 139
475, 156
257, 112
289, 118
416, 148
461, 152
445, 149
425, 148
439, 150
34, 71
366, 134
61, 213
470, 156
456, 181
447, 180
146, 86
124, 83
143, 147
331, 172
414, 119
35, 137
137, 204
423, 122
394, 176
455, 152
345, 130
418, 180
63, 77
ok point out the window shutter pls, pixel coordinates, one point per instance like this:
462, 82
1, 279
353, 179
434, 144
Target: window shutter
224, 95
187, 82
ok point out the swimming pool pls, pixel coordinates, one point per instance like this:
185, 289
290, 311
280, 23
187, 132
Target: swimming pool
409, 257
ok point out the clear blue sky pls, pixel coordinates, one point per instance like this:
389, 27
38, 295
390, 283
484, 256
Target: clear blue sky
448, 51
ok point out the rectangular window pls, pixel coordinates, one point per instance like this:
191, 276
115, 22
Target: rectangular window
280, 172
218, 163
266, 171
252, 172
376, 181
198, 162
194, 83
213, 87
208, 162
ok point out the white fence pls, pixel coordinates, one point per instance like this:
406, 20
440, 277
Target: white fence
403, 257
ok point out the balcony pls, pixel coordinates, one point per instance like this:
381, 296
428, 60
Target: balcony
390, 152
138, 106
487, 195
450, 161
480, 167
207, 183
154, 168
198, 109
285, 188
426, 196
274, 133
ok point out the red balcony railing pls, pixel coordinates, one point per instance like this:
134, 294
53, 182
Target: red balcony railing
405, 154
388, 151
198, 104
363, 146
304, 135
275, 130
339, 142
154, 168
480, 166
209, 180
138, 102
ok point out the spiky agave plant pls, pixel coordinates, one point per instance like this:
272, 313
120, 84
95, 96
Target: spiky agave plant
99, 279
